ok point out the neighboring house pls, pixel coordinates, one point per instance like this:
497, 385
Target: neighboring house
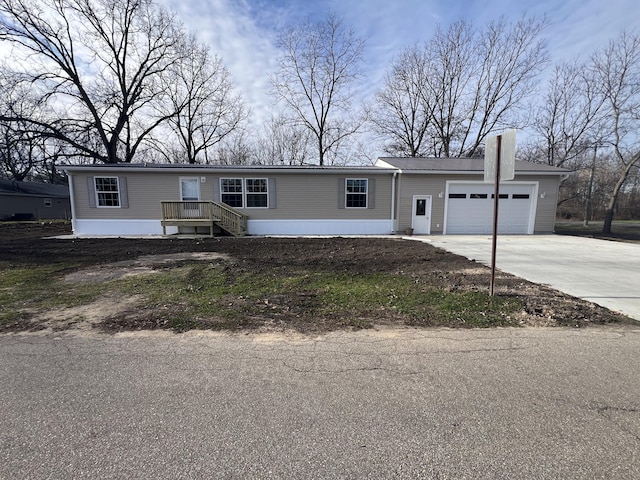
430, 195
33, 201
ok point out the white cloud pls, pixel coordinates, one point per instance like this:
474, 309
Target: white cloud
243, 32
237, 32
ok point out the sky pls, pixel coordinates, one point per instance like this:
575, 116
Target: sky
244, 32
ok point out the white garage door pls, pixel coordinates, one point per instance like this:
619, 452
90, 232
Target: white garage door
470, 208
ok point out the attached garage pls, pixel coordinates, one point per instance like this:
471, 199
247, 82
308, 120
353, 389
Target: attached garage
469, 208
449, 196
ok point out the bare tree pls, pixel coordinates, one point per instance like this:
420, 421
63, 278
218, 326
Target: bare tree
100, 66
569, 116
401, 117
454, 59
283, 143
234, 149
21, 145
20, 152
318, 66
477, 81
202, 95
616, 68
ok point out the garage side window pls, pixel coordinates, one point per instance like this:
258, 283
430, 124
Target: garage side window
107, 191
356, 192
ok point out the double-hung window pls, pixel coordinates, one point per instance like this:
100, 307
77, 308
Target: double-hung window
231, 192
356, 192
245, 192
107, 191
256, 192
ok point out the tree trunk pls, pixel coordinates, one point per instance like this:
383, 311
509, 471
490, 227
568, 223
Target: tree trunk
608, 219
320, 151
608, 215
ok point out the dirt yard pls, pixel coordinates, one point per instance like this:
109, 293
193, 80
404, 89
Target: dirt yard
103, 260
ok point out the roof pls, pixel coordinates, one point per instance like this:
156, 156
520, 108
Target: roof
12, 187
383, 165
462, 165
199, 168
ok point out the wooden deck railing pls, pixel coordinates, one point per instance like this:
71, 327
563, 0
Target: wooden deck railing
189, 210
207, 214
230, 219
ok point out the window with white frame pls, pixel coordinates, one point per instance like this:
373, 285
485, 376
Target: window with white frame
107, 191
257, 194
356, 192
247, 192
231, 192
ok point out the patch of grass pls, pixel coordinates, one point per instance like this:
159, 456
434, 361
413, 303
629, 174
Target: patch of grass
474, 309
219, 297
626, 230
39, 288
212, 296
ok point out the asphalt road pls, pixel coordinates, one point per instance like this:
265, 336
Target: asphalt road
442, 404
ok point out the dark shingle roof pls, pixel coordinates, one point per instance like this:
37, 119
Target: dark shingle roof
12, 187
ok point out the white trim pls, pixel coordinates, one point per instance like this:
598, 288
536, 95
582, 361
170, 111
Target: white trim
320, 227
427, 212
223, 193
534, 200
97, 193
102, 227
245, 192
393, 200
72, 199
347, 193
195, 179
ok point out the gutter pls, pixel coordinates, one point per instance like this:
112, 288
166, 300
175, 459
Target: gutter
222, 169
481, 172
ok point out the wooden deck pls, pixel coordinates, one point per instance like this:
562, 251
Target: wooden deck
203, 214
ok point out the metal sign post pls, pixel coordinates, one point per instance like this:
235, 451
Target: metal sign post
498, 166
496, 203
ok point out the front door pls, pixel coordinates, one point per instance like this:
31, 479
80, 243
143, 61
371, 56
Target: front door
421, 219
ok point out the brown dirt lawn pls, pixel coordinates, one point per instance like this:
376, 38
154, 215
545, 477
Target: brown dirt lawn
103, 260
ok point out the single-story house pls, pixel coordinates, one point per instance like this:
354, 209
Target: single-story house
33, 201
446, 196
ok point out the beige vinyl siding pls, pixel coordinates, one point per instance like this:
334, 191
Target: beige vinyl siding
145, 192
424, 184
546, 211
316, 197
298, 196
420, 184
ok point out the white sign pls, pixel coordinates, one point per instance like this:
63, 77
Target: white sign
507, 157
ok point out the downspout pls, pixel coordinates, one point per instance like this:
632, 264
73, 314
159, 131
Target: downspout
72, 202
394, 180
393, 202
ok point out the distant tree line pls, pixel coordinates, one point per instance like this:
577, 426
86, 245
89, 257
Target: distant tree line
108, 81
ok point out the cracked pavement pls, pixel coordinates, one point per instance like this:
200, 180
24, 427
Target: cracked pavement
384, 403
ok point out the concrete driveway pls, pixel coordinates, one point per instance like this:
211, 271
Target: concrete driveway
600, 271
